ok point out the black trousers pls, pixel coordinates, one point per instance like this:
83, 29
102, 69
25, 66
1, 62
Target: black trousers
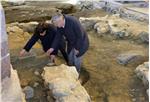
63, 51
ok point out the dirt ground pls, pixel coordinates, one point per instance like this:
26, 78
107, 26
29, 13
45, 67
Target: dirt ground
104, 79
109, 81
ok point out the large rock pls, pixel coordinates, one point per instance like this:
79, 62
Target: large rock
88, 23
107, 24
118, 30
79, 95
66, 8
28, 27
130, 57
102, 27
63, 82
16, 33
144, 37
66, 72
14, 29
11, 90
142, 72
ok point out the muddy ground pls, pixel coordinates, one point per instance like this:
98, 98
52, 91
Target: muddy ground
104, 79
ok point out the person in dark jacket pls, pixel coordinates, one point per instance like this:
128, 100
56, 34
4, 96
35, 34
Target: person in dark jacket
76, 37
46, 33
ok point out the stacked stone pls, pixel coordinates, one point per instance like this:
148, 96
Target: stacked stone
116, 26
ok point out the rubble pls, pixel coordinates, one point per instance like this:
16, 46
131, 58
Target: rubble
65, 86
116, 26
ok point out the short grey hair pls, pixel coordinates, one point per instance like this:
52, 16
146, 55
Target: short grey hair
56, 16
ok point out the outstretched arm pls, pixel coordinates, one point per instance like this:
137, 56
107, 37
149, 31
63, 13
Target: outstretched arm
29, 44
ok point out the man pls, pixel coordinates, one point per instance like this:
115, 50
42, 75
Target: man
75, 35
46, 33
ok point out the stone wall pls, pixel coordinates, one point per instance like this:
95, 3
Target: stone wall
11, 90
127, 12
133, 11
5, 57
117, 27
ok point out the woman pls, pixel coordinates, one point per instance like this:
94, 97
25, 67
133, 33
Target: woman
46, 33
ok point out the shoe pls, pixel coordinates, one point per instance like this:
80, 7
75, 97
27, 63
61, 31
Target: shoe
50, 63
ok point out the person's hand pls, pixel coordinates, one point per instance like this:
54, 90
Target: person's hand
22, 52
49, 51
76, 51
52, 57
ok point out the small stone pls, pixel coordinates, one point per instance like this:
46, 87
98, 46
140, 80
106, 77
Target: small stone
132, 90
36, 73
147, 91
146, 64
29, 92
134, 99
120, 34
35, 84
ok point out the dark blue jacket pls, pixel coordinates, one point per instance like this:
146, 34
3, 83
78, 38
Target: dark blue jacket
75, 35
46, 40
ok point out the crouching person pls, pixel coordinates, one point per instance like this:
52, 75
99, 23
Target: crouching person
46, 33
76, 38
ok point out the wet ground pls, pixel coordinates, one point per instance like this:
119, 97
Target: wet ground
104, 79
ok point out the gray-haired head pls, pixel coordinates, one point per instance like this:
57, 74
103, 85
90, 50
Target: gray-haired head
58, 20
56, 16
